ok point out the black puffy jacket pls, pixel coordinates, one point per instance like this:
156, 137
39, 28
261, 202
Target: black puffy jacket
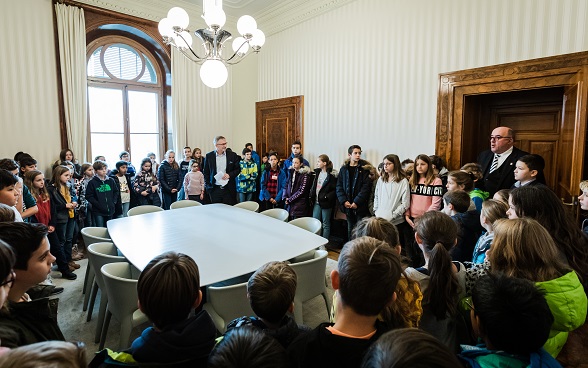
169, 178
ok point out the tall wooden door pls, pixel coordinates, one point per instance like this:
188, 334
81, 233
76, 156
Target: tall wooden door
571, 153
278, 124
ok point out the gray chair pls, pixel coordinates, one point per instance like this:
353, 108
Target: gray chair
121, 287
146, 208
100, 254
311, 282
91, 235
184, 203
277, 213
310, 224
226, 303
248, 205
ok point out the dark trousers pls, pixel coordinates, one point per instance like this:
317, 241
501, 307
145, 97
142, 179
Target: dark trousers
168, 199
196, 198
413, 251
100, 221
220, 195
65, 234
352, 219
57, 251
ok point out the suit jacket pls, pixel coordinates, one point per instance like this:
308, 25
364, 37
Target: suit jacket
506, 179
233, 169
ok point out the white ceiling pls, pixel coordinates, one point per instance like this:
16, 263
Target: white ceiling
272, 16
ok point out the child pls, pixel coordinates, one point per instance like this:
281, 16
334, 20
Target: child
373, 176
6, 213
8, 193
36, 181
502, 196
46, 354
146, 185
408, 348
461, 180
26, 163
102, 193
194, 183
297, 189
296, 152
125, 156
426, 192
323, 194
439, 168
7, 275
247, 176
26, 204
154, 165
477, 194
169, 179
85, 209
392, 195
197, 155
529, 171
185, 167
513, 319
583, 199
408, 167
273, 182
524, 249
468, 224
366, 277
492, 210
247, 347
63, 204
168, 289
28, 321
271, 291
124, 184
442, 281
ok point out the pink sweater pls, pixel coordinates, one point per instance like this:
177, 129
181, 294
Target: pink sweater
425, 198
193, 183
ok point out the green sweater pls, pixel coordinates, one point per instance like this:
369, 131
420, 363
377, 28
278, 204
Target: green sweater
567, 300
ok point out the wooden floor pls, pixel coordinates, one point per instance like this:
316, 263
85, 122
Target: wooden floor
334, 255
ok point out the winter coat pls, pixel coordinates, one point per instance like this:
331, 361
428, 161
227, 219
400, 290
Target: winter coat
103, 195
169, 178
359, 190
264, 193
246, 177
58, 203
327, 195
297, 190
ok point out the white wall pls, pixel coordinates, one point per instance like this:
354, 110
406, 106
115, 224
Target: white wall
369, 70
29, 115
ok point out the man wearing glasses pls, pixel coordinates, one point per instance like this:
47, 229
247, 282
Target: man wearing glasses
498, 163
221, 167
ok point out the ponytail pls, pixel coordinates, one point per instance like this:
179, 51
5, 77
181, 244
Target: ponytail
441, 296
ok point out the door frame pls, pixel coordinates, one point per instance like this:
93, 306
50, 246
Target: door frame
556, 71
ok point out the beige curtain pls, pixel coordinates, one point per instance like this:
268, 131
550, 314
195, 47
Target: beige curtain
71, 34
184, 74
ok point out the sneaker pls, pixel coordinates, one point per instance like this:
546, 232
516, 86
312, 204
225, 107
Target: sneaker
57, 290
68, 275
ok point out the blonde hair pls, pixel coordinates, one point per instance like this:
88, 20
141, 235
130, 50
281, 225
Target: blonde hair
47, 354
523, 248
584, 186
494, 210
29, 178
473, 168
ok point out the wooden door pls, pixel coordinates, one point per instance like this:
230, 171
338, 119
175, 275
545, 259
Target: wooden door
571, 152
278, 124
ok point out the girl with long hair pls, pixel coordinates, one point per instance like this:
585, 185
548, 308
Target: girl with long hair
524, 249
540, 203
492, 210
63, 204
392, 195
426, 194
442, 281
323, 194
146, 185
297, 189
169, 178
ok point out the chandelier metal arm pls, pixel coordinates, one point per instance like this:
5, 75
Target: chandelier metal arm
191, 55
189, 48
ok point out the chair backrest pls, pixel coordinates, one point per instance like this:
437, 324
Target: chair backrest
311, 276
228, 302
277, 213
100, 254
308, 223
93, 235
184, 203
248, 205
146, 208
121, 288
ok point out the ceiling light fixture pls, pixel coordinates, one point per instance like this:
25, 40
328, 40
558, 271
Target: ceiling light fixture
213, 71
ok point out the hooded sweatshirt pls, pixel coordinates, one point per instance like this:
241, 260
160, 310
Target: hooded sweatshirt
103, 195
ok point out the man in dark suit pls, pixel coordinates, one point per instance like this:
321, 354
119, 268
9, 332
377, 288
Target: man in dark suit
221, 167
498, 163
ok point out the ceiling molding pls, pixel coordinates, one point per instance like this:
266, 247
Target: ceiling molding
280, 15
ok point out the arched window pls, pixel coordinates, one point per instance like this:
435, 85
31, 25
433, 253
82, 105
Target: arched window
125, 100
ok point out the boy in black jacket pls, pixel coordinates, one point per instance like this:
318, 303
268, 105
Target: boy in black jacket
102, 192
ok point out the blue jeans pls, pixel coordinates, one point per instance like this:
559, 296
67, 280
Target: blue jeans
243, 197
100, 221
65, 233
324, 215
125, 209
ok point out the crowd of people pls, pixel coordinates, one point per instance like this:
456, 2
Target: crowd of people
476, 267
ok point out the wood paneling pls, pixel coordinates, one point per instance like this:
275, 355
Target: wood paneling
279, 123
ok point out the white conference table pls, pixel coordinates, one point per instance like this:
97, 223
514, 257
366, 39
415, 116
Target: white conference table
225, 241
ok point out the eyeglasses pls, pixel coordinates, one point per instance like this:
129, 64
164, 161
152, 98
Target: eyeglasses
10, 281
498, 137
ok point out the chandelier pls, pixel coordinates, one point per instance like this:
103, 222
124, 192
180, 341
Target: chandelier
213, 70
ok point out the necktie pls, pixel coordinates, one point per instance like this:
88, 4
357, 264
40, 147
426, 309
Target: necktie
494, 165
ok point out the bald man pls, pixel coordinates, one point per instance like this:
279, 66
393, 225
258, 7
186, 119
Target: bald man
498, 163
